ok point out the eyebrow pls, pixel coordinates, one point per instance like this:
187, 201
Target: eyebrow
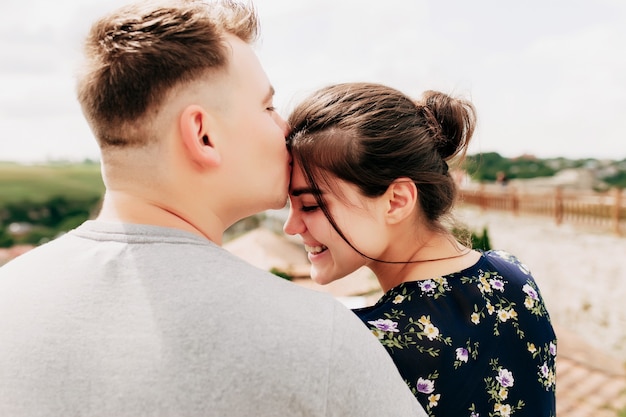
297, 192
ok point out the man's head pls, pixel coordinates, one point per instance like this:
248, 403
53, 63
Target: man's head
137, 54
182, 109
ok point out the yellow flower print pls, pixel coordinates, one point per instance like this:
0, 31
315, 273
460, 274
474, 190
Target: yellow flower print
490, 308
532, 348
505, 410
512, 314
529, 303
378, 333
433, 400
424, 320
431, 331
503, 393
504, 315
399, 298
484, 285
550, 379
475, 318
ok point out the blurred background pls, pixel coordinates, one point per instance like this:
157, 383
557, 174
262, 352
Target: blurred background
544, 178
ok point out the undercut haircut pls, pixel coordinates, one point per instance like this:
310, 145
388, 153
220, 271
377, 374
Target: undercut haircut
136, 55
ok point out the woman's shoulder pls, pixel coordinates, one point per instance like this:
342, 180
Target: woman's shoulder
500, 259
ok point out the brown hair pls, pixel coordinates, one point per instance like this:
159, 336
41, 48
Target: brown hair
370, 135
137, 54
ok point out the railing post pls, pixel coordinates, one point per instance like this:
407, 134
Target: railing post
617, 206
482, 198
558, 205
515, 197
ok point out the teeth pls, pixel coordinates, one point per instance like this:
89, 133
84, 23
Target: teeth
315, 249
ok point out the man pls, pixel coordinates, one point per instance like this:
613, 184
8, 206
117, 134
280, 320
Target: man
141, 312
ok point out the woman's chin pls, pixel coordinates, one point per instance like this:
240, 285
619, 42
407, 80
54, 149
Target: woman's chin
322, 279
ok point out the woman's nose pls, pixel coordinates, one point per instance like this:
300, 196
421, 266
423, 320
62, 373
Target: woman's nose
294, 224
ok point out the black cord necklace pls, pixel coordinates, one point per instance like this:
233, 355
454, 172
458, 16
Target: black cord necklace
463, 253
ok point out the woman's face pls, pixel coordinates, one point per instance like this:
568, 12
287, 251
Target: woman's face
357, 217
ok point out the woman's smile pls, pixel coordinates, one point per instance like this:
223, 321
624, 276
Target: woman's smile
314, 250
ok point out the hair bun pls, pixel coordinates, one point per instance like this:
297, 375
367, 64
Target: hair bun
451, 120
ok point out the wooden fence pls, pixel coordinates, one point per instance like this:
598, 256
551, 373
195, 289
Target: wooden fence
600, 210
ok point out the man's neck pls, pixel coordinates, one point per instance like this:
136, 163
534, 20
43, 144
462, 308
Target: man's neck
122, 207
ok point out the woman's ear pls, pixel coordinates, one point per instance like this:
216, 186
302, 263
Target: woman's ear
401, 197
196, 135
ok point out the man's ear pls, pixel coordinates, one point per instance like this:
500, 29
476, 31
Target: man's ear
196, 135
401, 198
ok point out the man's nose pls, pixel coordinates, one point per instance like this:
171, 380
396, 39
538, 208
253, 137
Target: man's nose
282, 123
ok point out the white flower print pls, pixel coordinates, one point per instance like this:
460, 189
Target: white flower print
497, 284
530, 291
412, 318
398, 299
385, 325
425, 386
552, 349
503, 393
529, 303
503, 409
427, 286
462, 354
431, 331
503, 315
475, 318
505, 378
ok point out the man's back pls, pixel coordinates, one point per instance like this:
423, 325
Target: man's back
144, 320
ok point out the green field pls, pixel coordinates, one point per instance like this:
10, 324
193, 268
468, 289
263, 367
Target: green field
39, 183
48, 199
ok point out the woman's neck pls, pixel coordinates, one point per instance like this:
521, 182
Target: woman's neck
440, 254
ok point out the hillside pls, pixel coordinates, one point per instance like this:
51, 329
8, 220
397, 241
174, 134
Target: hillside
486, 167
37, 202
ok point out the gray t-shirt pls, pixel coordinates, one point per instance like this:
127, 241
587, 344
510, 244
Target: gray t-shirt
118, 320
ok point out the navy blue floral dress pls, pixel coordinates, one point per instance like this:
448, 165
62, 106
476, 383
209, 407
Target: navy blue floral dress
476, 343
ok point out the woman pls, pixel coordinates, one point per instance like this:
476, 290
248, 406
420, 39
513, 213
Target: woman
468, 330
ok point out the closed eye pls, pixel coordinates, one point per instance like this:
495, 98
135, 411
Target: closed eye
308, 209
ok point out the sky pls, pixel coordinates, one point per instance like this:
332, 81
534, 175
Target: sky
547, 77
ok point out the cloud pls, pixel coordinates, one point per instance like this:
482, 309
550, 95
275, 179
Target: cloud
325, 42
547, 78
562, 95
